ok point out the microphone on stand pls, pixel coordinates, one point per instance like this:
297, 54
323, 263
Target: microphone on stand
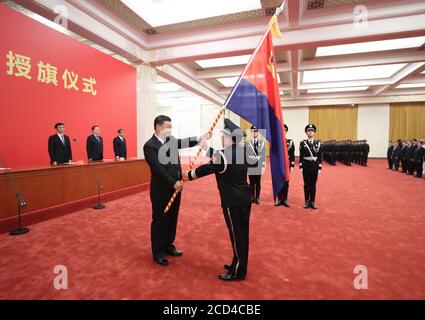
19, 198
99, 184
81, 150
99, 187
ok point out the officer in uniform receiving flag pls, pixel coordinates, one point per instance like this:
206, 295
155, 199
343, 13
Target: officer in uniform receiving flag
256, 150
230, 167
310, 165
282, 198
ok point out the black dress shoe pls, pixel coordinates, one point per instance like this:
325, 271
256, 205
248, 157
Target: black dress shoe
228, 276
174, 252
257, 201
313, 205
228, 267
161, 261
306, 205
285, 203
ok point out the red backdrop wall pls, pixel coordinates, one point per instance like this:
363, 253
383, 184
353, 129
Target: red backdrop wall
29, 108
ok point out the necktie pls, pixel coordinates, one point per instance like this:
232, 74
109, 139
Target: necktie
97, 138
62, 139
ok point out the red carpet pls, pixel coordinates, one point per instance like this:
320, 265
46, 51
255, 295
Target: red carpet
369, 216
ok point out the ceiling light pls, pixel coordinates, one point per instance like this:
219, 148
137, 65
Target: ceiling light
228, 82
410, 85
222, 62
353, 73
165, 12
337, 89
371, 46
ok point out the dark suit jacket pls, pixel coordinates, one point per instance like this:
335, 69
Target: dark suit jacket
390, 151
418, 156
94, 148
120, 147
58, 152
164, 174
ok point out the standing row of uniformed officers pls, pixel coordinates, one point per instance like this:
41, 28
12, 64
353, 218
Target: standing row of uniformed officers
310, 164
407, 156
346, 152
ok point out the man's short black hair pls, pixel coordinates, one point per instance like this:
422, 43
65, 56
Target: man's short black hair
58, 124
120, 130
94, 127
159, 120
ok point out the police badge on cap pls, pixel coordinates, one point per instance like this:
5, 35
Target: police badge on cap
310, 127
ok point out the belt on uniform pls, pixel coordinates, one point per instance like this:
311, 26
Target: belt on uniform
310, 158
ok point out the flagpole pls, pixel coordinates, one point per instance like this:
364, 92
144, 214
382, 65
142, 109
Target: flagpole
192, 163
223, 108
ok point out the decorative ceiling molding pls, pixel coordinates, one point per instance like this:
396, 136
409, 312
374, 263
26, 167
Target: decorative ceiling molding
115, 27
319, 4
268, 8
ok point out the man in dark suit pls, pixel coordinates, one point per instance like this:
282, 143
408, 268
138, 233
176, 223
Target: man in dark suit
403, 156
418, 159
161, 154
410, 160
396, 155
59, 146
120, 145
94, 145
389, 155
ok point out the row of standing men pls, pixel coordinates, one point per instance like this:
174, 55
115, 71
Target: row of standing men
60, 150
409, 155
